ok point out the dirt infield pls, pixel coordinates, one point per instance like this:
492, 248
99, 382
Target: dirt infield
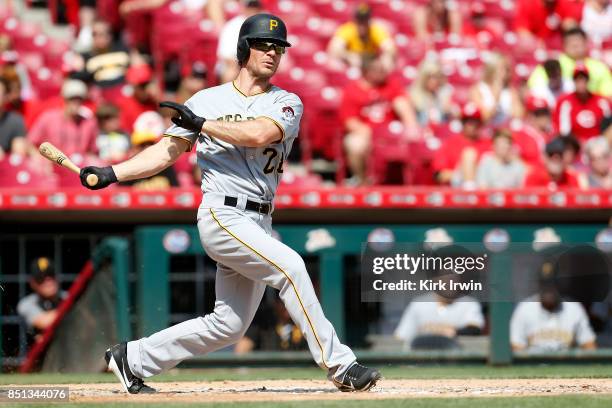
300, 390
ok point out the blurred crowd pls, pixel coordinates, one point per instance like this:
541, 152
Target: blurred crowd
471, 94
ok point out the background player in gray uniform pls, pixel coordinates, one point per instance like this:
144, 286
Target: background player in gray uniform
246, 129
39, 308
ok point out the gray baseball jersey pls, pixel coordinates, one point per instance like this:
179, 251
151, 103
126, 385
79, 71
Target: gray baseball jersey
230, 169
534, 327
425, 315
240, 241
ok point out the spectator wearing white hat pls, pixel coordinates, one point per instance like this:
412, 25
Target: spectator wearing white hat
227, 62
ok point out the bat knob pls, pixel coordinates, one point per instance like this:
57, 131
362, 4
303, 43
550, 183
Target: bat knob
92, 180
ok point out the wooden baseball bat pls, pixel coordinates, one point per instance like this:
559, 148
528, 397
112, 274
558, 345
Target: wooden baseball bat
56, 155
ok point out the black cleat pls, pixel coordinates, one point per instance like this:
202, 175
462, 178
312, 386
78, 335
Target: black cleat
357, 378
116, 358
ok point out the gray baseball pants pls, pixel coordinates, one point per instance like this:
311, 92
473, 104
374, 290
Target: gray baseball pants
248, 258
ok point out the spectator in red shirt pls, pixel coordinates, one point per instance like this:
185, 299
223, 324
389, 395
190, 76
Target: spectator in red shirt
71, 128
581, 112
144, 97
455, 162
374, 100
546, 18
531, 135
554, 173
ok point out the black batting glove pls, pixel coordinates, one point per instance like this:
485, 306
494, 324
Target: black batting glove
106, 176
186, 119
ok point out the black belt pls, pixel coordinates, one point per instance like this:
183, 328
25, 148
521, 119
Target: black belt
261, 208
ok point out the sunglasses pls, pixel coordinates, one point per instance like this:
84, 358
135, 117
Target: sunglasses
268, 46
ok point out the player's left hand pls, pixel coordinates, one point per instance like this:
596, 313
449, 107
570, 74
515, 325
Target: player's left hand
186, 119
106, 176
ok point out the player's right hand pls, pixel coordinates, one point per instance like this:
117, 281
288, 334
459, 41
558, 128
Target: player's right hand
186, 119
106, 176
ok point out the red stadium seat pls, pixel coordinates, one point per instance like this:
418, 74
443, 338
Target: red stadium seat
411, 49
18, 172
319, 29
9, 26
339, 11
109, 11
28, 37
46, 82
33, 61
307, 84
5, 11
303, 50
337, 77
174, 31
232, 9
503, 9
54, 53
182, 34
66, 178
326, 131
463, 76
203, 47
294, 13
396, 12
390, 151
308, 181
461, 95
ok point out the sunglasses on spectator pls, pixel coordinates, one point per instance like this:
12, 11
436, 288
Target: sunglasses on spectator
268, 46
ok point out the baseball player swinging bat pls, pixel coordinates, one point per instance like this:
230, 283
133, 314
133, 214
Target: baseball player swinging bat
57, 156
244, 130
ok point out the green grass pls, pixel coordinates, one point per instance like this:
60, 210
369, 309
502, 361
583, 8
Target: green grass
511, 402
391, 372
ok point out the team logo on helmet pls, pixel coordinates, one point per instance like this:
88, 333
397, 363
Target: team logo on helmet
273, 24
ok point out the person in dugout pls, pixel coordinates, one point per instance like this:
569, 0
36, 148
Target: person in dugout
39, 308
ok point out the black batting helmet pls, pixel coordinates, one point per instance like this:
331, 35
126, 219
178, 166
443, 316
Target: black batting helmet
261, 26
